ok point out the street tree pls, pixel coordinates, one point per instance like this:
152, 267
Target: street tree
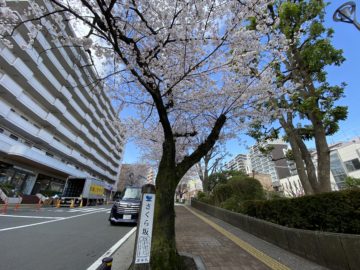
301, 100
171, 61
210, 164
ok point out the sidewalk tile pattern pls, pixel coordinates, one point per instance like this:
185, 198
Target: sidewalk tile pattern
217, 251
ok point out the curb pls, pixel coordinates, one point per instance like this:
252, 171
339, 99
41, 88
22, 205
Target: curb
112, 250
197, 259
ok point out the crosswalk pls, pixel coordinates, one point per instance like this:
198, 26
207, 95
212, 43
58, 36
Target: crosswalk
79, 210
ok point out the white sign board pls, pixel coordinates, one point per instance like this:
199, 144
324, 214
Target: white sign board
145, 229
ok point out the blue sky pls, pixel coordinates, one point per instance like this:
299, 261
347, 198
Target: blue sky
347, 38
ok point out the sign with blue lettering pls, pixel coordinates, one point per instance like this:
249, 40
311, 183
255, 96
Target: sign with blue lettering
143, 247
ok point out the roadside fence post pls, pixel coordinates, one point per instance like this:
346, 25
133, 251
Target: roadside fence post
17, 206
106, 264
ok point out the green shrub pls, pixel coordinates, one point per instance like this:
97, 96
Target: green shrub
332, 212
205, 198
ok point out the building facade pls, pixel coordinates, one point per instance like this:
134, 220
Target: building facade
274, 164
239, 163
53, 124
344, 162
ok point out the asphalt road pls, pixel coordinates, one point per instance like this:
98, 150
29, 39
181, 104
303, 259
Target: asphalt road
54, 238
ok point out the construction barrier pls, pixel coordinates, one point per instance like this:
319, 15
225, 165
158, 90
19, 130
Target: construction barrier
39, 205
4, 210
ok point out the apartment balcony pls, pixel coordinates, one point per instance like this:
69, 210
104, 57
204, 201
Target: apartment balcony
30, 104
52, 121
9, 87
5, 143
72, 120
63, 130
37, 158
61, 147
22, 124
46, 136
77, 108
4, 109
66, 93
41, 90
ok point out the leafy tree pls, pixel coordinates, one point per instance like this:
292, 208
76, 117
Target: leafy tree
213, 180
237, 189
164, 58
300, 99
352, 182
209, 165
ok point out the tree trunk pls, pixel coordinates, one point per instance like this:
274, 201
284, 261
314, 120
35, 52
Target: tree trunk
300, 167
323, 156
163, 251
299, 156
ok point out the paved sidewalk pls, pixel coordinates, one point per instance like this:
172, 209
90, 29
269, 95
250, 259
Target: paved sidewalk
225, 247
220, 246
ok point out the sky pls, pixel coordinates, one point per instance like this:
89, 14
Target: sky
347, 38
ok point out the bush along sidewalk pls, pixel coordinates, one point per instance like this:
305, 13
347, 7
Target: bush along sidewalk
337, 212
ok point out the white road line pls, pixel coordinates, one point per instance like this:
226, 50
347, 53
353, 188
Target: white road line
112, 250
2, 215
50, 221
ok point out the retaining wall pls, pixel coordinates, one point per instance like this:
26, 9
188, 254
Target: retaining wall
333, 250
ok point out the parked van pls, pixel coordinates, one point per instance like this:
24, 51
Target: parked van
126, 207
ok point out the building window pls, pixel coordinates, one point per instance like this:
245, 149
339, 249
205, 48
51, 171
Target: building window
23, 117
352, 165
337, 170
12, 136
49, 154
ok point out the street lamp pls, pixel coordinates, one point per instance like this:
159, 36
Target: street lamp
346, 13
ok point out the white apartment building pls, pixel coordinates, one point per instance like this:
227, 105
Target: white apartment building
274, 164
52, 125
239, 163
344, 162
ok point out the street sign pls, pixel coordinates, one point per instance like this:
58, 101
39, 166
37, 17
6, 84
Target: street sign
143, 243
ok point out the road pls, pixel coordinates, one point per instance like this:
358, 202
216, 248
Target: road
52, 238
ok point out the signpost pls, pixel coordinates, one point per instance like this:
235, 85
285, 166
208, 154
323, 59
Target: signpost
144, 230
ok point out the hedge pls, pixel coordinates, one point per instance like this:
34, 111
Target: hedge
332, 212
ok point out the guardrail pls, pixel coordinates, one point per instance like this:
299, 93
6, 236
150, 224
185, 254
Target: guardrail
333, 250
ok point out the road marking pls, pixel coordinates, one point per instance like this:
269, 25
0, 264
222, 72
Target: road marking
49, 221
86, 210
269, 261
2, 215
112, 250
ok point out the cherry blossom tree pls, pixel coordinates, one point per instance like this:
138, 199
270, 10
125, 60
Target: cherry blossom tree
173, 61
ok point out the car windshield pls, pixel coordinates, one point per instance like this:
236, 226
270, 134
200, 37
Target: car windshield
132, 193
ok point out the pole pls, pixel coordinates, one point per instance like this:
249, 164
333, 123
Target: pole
142, 250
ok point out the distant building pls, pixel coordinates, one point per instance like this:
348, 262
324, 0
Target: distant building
344, 162
265, 180
134, 175
239, 163
274, 164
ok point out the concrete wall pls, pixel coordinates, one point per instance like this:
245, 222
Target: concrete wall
333, 250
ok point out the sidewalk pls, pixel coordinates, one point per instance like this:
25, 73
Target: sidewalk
220, 246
